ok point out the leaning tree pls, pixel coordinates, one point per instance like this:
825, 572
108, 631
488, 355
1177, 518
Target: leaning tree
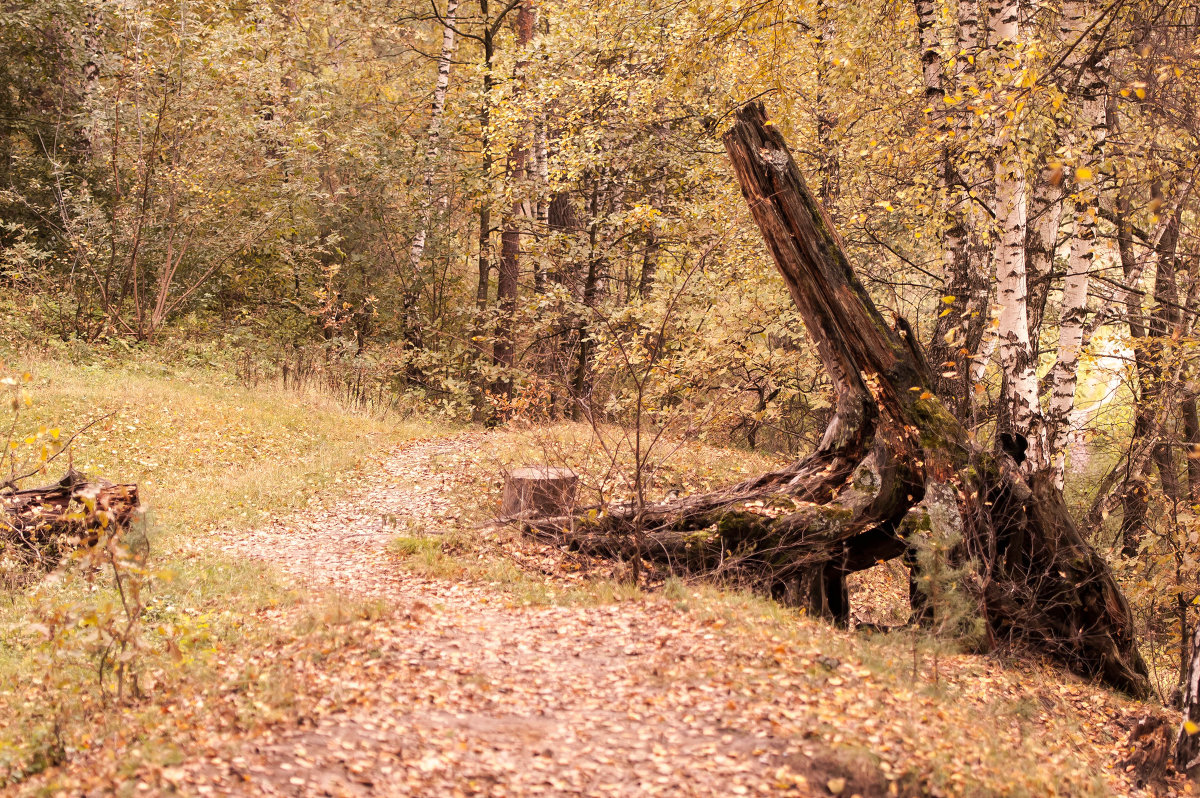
890, 445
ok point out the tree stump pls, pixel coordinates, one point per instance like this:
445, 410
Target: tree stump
536, 491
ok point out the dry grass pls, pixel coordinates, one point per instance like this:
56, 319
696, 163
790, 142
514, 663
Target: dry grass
207, 454
904, 709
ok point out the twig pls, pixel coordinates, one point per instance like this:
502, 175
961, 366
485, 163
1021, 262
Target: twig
64, 448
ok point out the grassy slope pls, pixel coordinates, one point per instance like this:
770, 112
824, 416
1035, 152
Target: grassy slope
207, 454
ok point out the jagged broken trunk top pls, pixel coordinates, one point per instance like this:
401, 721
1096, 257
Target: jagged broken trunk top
799, 531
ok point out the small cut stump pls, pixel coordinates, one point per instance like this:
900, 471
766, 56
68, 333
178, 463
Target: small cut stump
538, 491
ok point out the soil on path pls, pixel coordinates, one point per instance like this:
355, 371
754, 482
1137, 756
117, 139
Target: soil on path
464, 696
453, 690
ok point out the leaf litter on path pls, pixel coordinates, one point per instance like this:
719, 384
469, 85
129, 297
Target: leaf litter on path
451, 692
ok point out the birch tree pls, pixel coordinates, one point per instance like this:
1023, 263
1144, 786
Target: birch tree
1017, 353
430, 203
1090, 95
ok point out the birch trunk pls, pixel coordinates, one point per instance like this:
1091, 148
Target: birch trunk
1187, 749
435, 133
963, 339
1064, 375
980, 324
1015, 349
947, 342
1041, 240
987, 348
957, 331
541, 163
1017, 355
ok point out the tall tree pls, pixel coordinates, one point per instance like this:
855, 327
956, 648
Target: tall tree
509, 272
1090, 95
432, 148
1018, 356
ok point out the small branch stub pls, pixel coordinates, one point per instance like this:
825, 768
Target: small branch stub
536, 491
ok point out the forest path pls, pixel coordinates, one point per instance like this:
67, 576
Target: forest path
454, 693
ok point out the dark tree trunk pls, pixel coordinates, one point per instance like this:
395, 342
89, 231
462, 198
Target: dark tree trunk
649, 266
1187, 749
556, 350
1148, 434
890, 443
506, 303
581, 382
485, 216
1191, 431
509, 272
650, 253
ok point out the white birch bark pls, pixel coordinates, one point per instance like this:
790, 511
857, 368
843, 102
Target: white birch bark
987, 348
1041, 239
541, 159
435, 133
979, 320
1016, 352
968, 32
931, 60
1064, 376
541, 172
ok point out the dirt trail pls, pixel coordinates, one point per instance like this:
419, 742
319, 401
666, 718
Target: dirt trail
462, 696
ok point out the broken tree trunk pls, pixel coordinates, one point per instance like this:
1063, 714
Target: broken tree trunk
799, 531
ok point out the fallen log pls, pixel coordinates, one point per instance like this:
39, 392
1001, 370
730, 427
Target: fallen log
799, 531
39, 525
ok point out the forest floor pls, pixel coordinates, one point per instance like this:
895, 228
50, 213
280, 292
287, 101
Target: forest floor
463, 684
344, 621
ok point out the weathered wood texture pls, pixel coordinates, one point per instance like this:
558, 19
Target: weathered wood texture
40, 524
800, 530
538, 491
